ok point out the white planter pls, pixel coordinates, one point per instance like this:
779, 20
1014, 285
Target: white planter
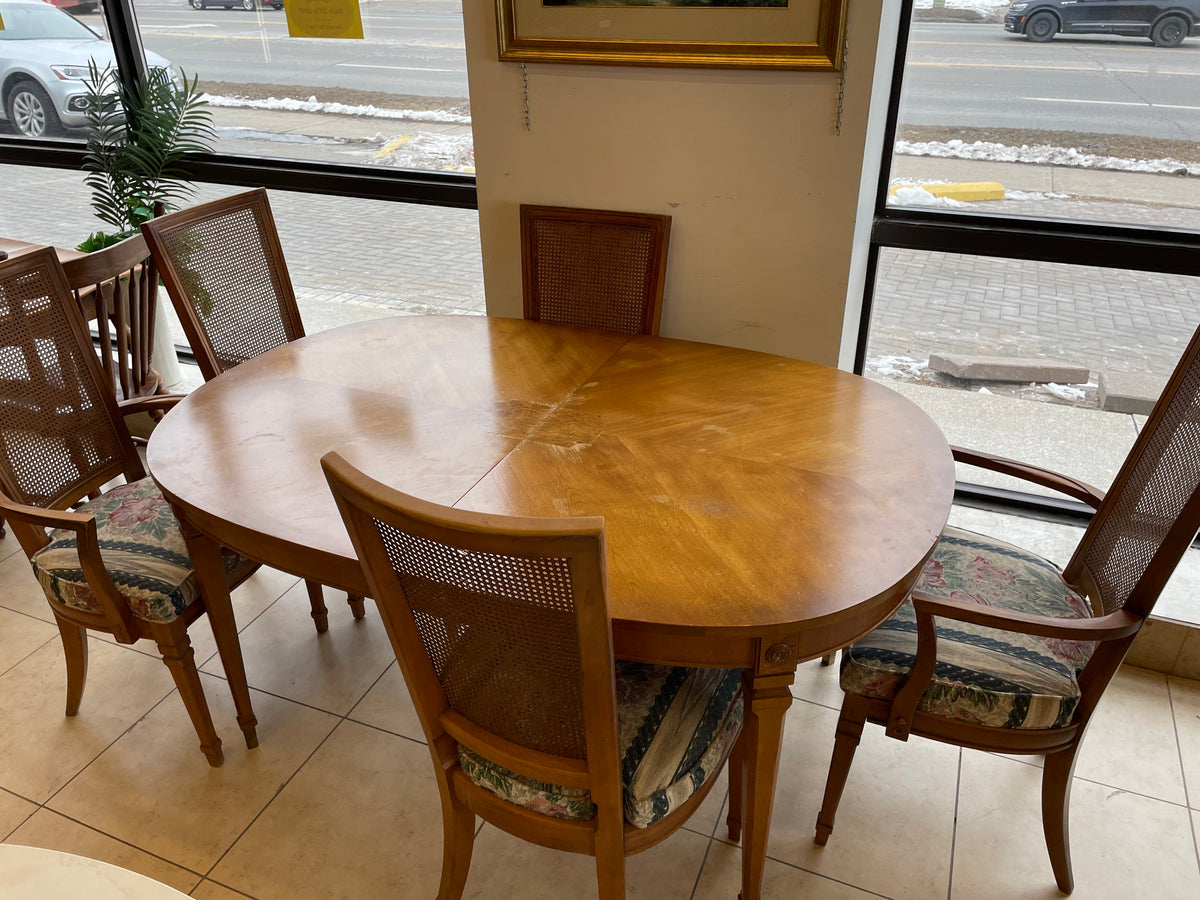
163, 357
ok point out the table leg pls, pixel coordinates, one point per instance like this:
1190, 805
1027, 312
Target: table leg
767, 699
210, 579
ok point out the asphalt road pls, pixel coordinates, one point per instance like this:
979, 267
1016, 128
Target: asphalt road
981, 76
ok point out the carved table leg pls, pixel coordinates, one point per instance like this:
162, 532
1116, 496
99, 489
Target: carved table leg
210, 578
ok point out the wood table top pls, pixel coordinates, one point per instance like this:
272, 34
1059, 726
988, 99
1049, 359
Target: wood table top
740, 490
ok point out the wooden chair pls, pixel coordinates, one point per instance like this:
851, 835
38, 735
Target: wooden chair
594, 267
1000, 651
116, 561
224, 270
502, 630
118, 287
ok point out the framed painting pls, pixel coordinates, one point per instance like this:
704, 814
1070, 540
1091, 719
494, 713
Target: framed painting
749, 34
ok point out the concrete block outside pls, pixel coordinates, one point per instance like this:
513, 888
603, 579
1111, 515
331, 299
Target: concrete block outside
1128, 392
1011, 369
963, 190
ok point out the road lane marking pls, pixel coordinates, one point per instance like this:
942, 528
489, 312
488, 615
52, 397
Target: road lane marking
398, 68
1110, 102
393, 145
1107, 69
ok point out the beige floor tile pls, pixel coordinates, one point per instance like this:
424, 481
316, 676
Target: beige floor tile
818, 684
721, 879
22, 636
388, 705
1185, 699
1188, 662
506, 866
1123, 845
1130, 743
19, 589
54, 832
250, 599
13, 811
42, 748
154, 789
285, 656
897, 809
361, 820
209, 890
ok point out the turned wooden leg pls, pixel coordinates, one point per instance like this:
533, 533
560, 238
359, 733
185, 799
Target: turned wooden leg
828, 658
210, 578
74, 638
357, 607
458, 840
1056, 799
176, 650
316, 599
610, 860
767, 701
737, 788
849, 731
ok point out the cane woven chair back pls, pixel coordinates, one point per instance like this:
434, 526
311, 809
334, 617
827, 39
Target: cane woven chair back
594, 268
224, 270
1152, 512
61, 436
118, 287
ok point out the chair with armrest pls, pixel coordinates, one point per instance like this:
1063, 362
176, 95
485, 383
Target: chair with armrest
115, 561
118, 287
593, 267
1000, 651
224, 270
501, 628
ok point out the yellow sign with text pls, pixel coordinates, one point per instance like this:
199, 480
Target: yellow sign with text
324, 18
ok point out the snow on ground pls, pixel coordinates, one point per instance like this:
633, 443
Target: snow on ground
901, 367
341, 109
915, 195
983, 6
1043, 155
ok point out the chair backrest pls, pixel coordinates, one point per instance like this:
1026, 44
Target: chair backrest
224, 270
500, 624
1152, 511
61, 435
592, 267
118, 287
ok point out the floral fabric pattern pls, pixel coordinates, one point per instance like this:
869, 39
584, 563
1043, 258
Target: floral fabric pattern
143, 551
676, 728
984, 675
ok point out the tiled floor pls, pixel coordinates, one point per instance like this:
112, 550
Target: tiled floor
339, 802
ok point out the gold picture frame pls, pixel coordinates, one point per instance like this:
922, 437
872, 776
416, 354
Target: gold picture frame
804, 34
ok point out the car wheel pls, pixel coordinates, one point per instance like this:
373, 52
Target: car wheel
248, 4
1041, 27
1170, 32
198, 4
31, 112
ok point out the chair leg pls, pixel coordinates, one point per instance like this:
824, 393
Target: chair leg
316, 598
610, 867
176, 649
74, 638
458, 840
1056, 799
849, 731
357, 606
828, 658
737, 789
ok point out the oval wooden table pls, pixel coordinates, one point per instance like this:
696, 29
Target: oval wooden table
759, 511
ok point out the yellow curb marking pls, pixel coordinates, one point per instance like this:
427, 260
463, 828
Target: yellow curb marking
966, 190
393, 145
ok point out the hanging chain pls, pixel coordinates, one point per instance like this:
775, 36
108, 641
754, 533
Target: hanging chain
837, 128
525, 87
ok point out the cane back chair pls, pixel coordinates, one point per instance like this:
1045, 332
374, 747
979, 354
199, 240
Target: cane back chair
593, 267
502, 630
999, 650
224, 269
118, 287
116, 561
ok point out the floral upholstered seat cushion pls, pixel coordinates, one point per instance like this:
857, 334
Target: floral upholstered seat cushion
677, 726
143, 551
984, 675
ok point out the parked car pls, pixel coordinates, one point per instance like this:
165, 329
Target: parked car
236, 4
44, 55
1165, 22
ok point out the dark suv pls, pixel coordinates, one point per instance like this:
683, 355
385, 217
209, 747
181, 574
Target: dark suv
1165, 22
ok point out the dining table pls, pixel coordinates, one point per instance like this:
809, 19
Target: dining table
759, 510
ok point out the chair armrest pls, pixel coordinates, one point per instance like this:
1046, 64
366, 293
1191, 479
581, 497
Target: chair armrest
1115, 625
42, 518
162, 402
1064, 484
